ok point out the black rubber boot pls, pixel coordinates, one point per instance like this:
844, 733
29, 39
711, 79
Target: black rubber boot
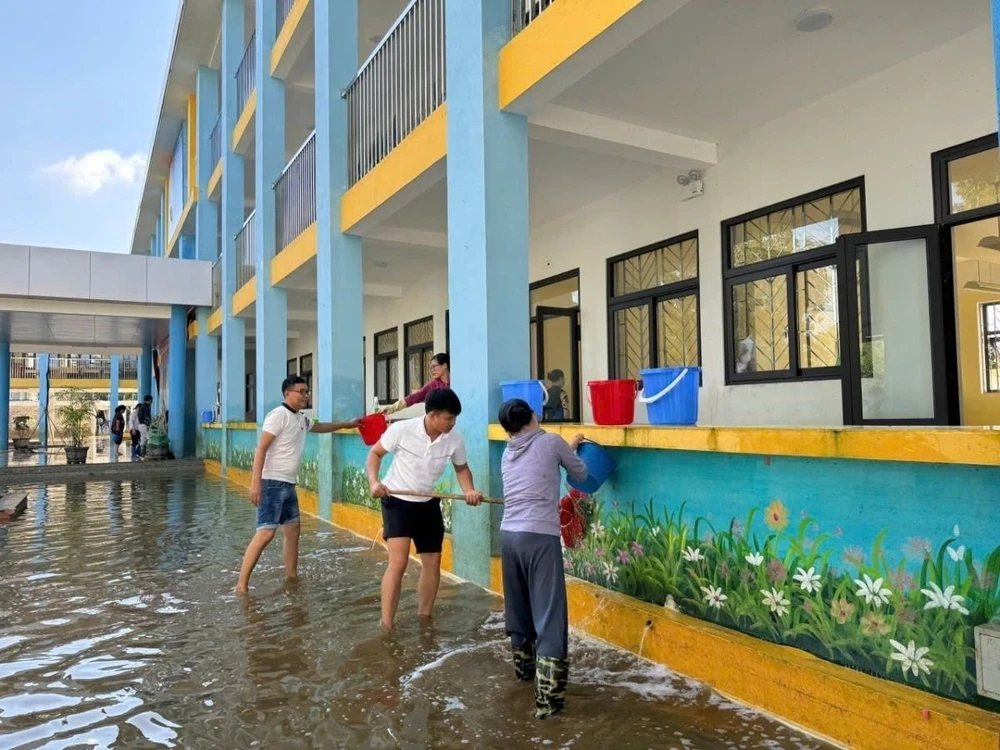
524, 662
550, 686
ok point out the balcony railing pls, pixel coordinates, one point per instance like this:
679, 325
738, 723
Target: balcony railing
523, 12
284, 8
398, 87
217, 285
23, 366
85, 368
295, 194
246, 74
128, 368
246, 251
215, 143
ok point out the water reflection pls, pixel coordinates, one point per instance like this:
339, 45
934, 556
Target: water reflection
120, 630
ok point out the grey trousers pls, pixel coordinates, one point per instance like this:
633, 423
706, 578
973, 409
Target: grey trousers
534, 589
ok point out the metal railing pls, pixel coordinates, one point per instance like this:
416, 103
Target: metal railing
84, 368
284, 8
246, 74
295, 194
215, 143
246, 251
23, 366
128, 368
523, 12
398, 86
217, 285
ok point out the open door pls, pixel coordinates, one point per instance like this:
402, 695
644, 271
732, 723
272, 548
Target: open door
894, 343
557, 352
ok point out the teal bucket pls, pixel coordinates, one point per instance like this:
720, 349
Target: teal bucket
671, 395
600, 465
532, 391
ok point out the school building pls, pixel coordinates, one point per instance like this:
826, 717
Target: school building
800, 199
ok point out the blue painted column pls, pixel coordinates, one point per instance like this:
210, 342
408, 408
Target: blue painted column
176, 378
233, 328
206, 217
487, 255
339, 281
116, 363
43, 399
272, 302
4, 401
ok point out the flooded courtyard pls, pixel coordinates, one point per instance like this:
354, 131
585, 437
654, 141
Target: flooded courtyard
119, 629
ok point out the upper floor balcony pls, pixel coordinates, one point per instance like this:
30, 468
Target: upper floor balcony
73, 368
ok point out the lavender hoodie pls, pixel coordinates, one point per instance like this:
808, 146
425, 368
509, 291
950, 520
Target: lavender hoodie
532, 481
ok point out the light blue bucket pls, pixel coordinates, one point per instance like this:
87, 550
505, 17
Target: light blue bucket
671, 395
532, 391
600, 465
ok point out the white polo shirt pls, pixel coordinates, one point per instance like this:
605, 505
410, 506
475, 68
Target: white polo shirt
284, 456
417, 462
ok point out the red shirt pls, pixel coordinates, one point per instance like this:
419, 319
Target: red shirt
420, 396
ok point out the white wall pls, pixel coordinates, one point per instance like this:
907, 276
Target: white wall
884, 128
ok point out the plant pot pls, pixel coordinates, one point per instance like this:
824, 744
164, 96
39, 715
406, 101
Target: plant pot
76, 455
156, 452
22, 444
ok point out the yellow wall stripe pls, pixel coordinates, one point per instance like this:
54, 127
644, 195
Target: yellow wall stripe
215, 321
299, 251
245, 296
242, 128
287, 33
215, 179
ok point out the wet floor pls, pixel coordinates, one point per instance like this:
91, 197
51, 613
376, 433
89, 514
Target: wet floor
118, 629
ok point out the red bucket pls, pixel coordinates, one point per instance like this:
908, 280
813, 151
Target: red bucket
613, 401
372, 428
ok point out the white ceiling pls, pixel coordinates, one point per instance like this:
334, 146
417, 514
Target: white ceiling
89, 332
719, 68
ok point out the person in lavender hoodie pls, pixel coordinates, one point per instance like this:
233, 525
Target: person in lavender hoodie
534, 584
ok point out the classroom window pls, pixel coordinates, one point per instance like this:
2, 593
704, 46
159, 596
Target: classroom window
387, 366
653, 307
306, 373
991, 347
291, 367
782, 286
419, 341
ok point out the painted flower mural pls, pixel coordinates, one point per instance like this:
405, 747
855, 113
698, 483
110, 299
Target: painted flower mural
907, 617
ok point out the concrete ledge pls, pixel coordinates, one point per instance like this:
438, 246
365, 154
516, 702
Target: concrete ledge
14, 475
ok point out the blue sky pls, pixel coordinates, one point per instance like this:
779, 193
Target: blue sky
80, 94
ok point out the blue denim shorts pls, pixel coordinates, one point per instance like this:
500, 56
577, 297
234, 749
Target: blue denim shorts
279, 504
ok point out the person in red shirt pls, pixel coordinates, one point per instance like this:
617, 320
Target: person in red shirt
441, 378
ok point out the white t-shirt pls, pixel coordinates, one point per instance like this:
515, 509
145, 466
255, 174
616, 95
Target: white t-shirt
282, 460
418, 463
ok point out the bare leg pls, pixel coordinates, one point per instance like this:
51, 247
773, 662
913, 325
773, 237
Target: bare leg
291, 531
260, 540
392, 581
430, 580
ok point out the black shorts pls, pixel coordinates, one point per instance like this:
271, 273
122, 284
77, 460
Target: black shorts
421, 522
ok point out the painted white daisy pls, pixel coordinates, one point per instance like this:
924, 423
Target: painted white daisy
693, 555
655, 531
957, 555
808, 580
776, 601
911, 658
714, 596
946, 599
596, 529
755, 559
610, 572
956, 531
872, 591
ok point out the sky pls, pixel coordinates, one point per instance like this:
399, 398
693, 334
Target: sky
79, 98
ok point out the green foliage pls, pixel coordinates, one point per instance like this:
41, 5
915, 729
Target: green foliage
75, 414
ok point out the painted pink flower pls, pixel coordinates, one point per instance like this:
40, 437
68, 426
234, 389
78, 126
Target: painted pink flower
567, 565
854, 555
724, 570
624, 557
637, 550
838, 532
737, 528
599, 553
776, 572
589, 570
807, 605
746, 575
906, 615
903, 581
708, 539
917, 548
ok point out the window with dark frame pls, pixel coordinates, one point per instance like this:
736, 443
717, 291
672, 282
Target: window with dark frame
306, 373
418, 337
991, 347
291, 367
653, 308
782, 291
387, 366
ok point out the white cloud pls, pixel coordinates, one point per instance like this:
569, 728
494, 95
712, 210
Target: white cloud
96, 170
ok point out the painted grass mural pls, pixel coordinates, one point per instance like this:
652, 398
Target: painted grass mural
355, 491
908, 616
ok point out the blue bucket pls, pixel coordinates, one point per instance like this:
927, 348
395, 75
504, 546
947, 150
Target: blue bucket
671, 394
208, 417
600, 465
532, 391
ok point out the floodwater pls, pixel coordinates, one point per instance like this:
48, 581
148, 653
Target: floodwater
119, 628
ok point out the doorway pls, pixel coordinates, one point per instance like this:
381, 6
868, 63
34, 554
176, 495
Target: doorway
555, 344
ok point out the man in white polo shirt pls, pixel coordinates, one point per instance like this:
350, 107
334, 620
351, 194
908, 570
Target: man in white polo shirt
275, 474
422, 450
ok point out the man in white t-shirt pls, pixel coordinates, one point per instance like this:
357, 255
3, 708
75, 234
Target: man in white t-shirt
422, 450
275, 474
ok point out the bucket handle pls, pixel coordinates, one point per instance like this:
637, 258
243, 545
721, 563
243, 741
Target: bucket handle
545, 392
644, 400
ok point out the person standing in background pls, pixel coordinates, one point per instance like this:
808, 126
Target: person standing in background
440, 378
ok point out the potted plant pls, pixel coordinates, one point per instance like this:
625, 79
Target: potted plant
75, 414
158, 444
22, 432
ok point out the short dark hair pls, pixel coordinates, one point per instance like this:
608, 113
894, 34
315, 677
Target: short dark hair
443, 399
556, 374
515, 415
119, 409
442, 358
290, 382
148, 399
